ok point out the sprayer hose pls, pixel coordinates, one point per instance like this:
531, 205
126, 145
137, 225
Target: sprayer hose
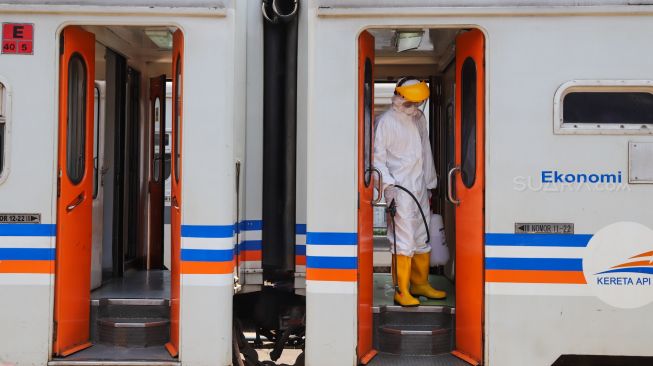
428, 235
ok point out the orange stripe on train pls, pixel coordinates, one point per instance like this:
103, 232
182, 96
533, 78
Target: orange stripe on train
188, 267
320, 274
27, 266
527, 276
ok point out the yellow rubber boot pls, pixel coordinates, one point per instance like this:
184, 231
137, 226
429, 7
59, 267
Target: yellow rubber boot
419, 278
402, 278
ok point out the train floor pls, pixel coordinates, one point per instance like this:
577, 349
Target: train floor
384, 292
135, 284
139, 299
102, 352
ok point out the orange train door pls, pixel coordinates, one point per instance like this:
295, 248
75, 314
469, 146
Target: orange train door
157, 177
366, 194
75, 192
175, 194
470, 184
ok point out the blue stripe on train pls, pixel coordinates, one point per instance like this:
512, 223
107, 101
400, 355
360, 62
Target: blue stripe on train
207, 231
332, 262
28, 230
538, 240
26, 254
324, 238
207, 255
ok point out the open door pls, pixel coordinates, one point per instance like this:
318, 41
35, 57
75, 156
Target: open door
175, 193
157, 175
470, 184
366, 194
75, 192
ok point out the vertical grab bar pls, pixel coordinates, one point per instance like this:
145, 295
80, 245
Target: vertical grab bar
377, 201
450, 185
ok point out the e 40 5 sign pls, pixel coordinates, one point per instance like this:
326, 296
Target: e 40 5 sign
18, 38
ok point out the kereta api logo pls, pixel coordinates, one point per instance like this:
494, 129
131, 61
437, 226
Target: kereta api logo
618, 265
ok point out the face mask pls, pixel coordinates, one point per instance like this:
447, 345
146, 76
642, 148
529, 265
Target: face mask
410, 108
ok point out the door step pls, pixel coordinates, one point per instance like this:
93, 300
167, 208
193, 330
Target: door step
386, 359
414, 340
132, 322
133, 332
418, 331
114, 363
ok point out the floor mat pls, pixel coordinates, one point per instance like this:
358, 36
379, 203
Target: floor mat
384, 293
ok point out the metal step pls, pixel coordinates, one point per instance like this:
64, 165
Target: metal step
417, 331
436, 316
130, 322
133, 308
107, 355
133, 332
414, 340
385, 359
114, 363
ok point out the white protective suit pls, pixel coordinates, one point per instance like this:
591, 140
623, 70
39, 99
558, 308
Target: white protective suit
402, 152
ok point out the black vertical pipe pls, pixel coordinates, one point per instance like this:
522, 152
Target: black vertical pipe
279, 141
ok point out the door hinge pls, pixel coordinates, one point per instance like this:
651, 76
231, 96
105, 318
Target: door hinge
59, 184
359, 200
55, 328
61, 44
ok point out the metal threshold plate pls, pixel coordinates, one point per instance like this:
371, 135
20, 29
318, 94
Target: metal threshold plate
113, 363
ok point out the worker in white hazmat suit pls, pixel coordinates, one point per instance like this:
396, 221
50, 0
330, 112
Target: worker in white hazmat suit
402, 153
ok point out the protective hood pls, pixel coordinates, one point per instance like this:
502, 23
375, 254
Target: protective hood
398, 105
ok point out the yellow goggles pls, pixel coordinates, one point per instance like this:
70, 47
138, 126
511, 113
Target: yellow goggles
416, 93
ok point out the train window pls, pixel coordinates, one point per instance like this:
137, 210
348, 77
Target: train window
96, 141
3, 123
468, 123
76, 124
368, 108
177, 120
166, 167
604, 107
157, 140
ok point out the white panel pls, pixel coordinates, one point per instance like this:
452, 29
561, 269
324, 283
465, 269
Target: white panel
25, 321
206, 315
640, 162
533, 252
331, 327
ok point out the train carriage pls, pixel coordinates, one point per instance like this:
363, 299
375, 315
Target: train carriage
144, 145
82, 149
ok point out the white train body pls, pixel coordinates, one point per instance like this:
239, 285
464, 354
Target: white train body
547, 290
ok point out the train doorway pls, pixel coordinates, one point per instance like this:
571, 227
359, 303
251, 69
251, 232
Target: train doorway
117, 270
451, 61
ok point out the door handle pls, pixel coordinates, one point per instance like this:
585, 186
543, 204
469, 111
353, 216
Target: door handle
377, 201
174, 202
450, 185
76, 202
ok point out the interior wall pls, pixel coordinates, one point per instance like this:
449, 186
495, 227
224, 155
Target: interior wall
448, 78
112, 65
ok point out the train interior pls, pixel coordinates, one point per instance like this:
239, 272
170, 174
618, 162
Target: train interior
131, 262
429, 329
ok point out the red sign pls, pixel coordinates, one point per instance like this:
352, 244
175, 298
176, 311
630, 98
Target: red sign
18, 38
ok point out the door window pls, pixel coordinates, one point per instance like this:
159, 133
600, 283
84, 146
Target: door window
96, 141
3, 122
157, 140
367, 110
76, 124
468, 125
177, 118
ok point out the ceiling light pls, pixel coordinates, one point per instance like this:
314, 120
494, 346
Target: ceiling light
162, 38
406, 40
